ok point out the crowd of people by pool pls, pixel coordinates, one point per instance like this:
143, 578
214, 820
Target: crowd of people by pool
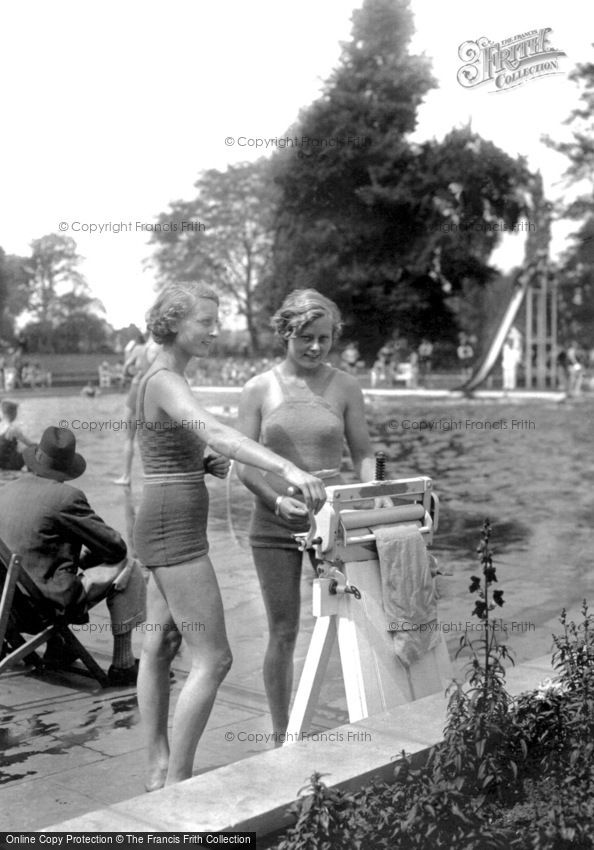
397, 364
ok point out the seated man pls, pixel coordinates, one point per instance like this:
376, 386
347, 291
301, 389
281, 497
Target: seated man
48, 522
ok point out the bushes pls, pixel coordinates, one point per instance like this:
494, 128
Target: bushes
514, 774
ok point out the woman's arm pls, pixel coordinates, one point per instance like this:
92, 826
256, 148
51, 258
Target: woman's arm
131, 358
15, 431
174, 396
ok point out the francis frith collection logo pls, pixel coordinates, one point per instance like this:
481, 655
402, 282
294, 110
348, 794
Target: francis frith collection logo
510, 62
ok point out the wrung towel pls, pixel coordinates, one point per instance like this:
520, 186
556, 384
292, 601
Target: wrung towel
408, 591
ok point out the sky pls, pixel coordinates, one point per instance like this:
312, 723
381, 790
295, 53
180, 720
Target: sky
111, 109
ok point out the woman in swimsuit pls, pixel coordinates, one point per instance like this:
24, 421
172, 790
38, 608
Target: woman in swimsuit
302, 409
170, 531
139, 358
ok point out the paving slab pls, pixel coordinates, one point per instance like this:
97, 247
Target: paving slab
112, 779
49, 800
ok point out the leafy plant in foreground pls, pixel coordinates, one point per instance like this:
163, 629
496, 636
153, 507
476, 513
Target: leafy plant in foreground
508, 775
478, 753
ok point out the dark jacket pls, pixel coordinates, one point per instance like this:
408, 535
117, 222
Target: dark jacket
48, 523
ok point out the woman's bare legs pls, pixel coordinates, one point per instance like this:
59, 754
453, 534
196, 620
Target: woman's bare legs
126, 479
160, 643
191, 601
279, 573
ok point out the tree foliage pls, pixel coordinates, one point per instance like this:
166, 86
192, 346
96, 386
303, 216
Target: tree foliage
576, 291
232, 252
49, 288
387, 228
580, 150
15, 285
53, 262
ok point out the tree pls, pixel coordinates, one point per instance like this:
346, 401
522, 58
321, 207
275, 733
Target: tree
576, 288
222, 237
363, 212
576, 274
75, 326
580, 150
54, 261
53, 264
15, 285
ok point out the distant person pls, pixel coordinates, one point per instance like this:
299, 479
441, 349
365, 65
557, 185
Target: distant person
378, 372
510, 359
11, 434
395, 367
17, 363
38, 375
11, 366
386, 351
90, 390
562, 370
57, 534
425, 353
118, 374
590, 368
139, 358
350, 358
104, 370
575, 370
413, 362
465, 353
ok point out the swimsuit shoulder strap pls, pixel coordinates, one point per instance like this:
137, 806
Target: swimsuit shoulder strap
281, 382
144, 382
329, 378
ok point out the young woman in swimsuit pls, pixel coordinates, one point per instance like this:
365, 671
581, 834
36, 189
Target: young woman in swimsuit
170, 531
139, 358
302, 409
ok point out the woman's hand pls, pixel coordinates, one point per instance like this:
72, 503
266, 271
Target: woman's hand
291, 510
217, 464
312, 488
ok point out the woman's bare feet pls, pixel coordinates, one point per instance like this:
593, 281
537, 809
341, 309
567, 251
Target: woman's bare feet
156, 778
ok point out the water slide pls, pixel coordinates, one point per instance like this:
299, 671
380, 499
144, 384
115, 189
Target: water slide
488, 361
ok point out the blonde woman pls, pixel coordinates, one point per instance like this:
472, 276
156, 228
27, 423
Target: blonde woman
304, 410
170, 532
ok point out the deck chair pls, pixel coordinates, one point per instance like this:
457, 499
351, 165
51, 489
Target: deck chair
25, 611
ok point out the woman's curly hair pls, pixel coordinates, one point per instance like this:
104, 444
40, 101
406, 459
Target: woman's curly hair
301, 307
175, 302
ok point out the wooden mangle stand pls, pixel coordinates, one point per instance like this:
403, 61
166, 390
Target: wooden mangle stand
347, 602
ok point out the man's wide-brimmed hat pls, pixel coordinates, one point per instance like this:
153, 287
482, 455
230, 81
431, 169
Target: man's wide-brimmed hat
55, 456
